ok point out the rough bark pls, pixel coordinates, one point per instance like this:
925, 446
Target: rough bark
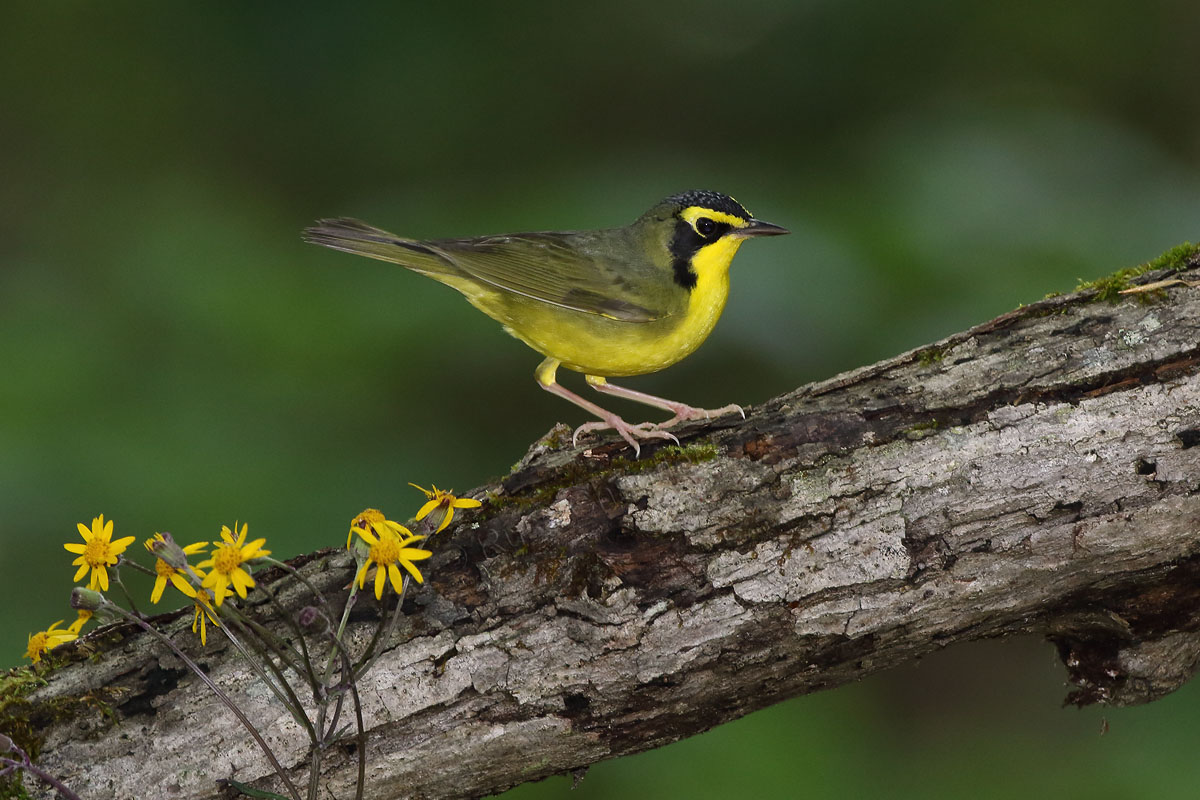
1039, 473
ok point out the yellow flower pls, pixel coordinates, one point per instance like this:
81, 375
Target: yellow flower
203, 607
372, 519
98, 552
446, 500
225, 566
80, 621
44, 641
388, 550
165, 572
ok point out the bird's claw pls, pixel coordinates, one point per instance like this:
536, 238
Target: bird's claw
684, 413
630, 433
652, 430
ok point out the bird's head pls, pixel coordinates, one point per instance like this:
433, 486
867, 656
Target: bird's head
706, 230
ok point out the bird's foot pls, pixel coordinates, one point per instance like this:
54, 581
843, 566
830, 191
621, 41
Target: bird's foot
684, 413
630, 433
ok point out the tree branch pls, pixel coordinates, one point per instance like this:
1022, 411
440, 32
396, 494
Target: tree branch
1039, 473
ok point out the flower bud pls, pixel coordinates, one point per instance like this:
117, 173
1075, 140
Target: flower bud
311, 619
163, 545
86, 599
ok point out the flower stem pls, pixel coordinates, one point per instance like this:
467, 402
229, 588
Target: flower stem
369, 657
26, 763
224, 698
351, 599
117, 580
279, 685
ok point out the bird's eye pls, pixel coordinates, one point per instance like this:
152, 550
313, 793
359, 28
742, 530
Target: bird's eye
705, 226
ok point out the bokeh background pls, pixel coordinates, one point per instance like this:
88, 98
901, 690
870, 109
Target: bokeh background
171, 354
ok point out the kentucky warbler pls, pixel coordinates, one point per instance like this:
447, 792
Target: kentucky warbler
607, 303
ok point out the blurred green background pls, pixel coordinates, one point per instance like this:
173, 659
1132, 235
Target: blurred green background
175, 358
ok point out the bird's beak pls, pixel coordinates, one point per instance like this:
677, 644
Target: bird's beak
759, 228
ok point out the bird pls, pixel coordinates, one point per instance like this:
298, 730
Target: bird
607, 303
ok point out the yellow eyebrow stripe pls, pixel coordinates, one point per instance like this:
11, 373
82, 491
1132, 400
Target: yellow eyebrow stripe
693, 213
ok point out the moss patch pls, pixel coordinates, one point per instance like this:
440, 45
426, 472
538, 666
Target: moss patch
14, 709
1109, 288
12, 789
930, 356
921, 430
22, 721
576, 473
672, 454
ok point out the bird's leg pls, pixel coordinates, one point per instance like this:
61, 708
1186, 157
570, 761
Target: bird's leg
630, 433
682, 411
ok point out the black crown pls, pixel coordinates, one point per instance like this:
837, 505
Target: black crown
714, 200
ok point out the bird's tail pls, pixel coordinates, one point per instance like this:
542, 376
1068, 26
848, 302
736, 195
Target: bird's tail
354, 236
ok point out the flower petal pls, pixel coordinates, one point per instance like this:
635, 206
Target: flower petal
414, 554
379, 574
396, 577
412, 571
425, 509
241, 581
75, 547
84, 531
397, 528
255, 550
83, 568
181, 583
76, 626
199, 620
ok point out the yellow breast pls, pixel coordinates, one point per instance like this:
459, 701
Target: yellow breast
610, 348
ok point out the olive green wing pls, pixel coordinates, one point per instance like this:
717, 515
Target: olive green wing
574, 270
579, 271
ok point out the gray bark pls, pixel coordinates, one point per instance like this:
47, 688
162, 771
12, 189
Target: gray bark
1037, 474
